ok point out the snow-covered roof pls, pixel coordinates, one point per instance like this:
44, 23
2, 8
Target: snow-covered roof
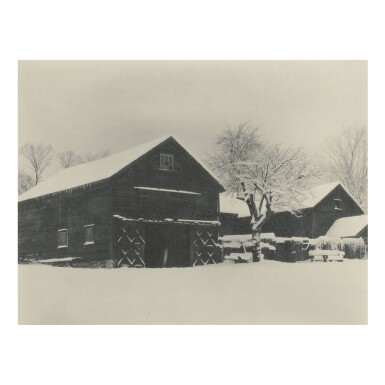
318, 193
229, 204
98, 170
348, 226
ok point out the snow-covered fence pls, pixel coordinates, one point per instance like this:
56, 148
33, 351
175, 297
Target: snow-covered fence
242, 243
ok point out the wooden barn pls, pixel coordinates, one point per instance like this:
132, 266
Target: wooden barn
325, 204
154, 205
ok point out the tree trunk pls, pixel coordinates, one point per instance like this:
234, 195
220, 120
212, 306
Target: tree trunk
256, 249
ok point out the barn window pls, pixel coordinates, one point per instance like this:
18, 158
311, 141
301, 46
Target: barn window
90, 234
167, 162
337, 204
62, 238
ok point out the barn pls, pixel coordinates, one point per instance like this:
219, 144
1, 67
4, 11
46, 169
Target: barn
323, 206
154, 205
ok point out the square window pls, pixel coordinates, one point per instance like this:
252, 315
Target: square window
167, 162
62, 238
90, 234
337, 204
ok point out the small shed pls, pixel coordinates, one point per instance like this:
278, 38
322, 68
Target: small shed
350, 227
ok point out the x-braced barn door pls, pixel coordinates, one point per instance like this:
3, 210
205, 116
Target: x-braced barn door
203, 245
130, 244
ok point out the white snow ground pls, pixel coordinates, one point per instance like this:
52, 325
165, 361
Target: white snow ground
268, 292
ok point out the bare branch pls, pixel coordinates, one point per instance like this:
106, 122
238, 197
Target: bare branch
39, 156
91, 156
69, 158
266, 176
347, 161
25, 182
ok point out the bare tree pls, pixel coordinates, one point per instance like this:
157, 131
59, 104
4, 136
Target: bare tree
268, 179
347, 161
234, 144
25, 182
90, 156
69, 158
39, 157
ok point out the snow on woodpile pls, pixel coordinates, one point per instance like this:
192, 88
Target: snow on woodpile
268, 237
229, 204
87, 173
348, 226
245, 240
265, 237
236, 238
300, 239
281, 239
327, 243
239, 257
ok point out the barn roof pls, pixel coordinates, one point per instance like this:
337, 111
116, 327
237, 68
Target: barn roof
98, 170
318, 193
230, 205
348, 226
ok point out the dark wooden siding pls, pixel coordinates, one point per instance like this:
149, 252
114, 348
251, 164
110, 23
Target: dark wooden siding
231, 224
41, 218
316, 221
326, 214
286, 224
187, 176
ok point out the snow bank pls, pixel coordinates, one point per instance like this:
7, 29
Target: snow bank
267, 292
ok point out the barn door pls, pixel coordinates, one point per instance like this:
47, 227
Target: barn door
204, 245
130, 244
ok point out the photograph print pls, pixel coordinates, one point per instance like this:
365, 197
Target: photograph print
193, 192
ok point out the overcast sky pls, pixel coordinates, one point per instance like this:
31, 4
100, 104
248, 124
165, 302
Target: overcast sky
95, 105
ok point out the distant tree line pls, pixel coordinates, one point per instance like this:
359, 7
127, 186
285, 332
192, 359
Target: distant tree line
38, 156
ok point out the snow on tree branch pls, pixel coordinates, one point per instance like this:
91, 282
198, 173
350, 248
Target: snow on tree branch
267, 177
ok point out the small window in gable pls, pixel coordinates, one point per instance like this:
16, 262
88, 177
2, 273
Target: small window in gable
167, 162
337, 204
62, 238
90, 234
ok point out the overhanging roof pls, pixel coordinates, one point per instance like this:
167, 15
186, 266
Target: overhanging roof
101, 169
